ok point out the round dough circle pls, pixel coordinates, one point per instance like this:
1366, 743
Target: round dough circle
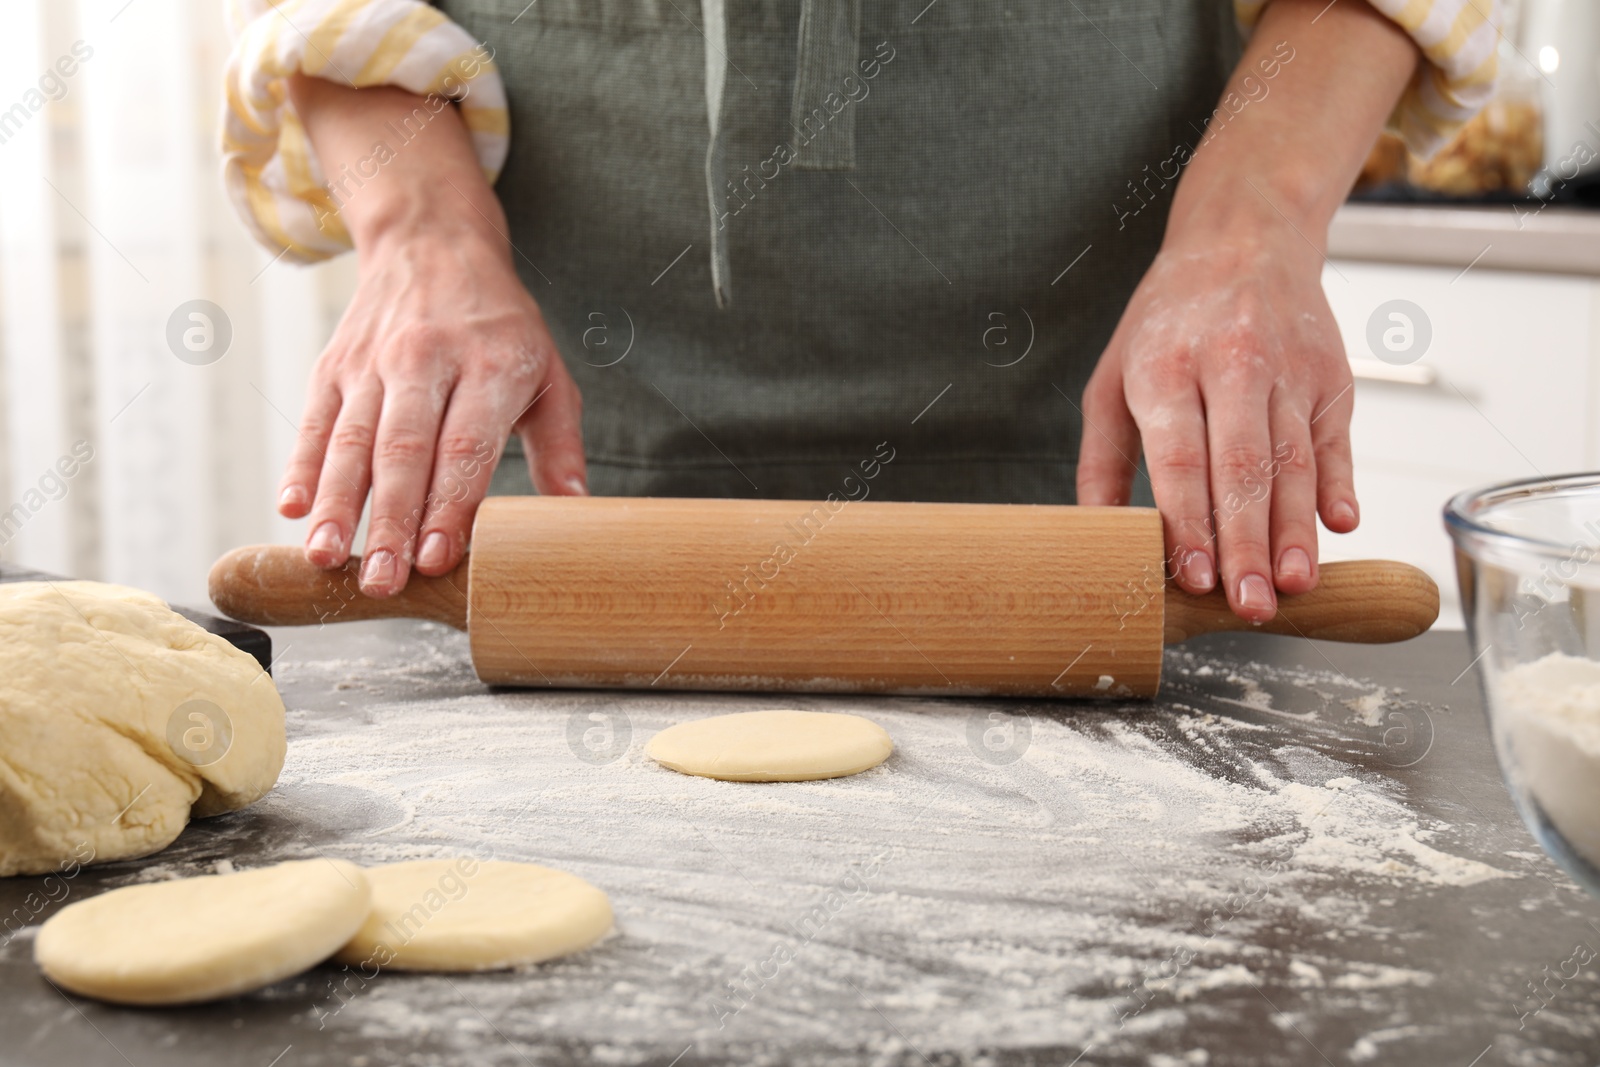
203, 938
100, 686
772, 746
471, 915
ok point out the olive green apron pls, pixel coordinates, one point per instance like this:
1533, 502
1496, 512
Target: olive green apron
778, 240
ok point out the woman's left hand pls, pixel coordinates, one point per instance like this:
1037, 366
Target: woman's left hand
1227, 368
1228, 371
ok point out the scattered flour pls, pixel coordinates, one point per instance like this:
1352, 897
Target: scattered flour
1369, 706
1359, 833
1368, 1048
1305, 974
1044, 902
1380, 976
1195, 1057
1190, 986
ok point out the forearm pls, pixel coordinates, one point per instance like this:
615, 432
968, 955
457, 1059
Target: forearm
439, 355
1317, 82
397, 164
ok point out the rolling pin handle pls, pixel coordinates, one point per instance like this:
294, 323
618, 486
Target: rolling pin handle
275, 585
1364, 601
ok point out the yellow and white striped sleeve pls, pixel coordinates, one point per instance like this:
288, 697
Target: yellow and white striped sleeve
269, 166
1458, 38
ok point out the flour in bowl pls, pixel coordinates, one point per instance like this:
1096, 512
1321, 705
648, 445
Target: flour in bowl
1549, 718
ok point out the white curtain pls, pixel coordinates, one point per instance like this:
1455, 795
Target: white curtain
112, 216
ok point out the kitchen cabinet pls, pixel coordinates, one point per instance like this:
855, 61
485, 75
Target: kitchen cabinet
1506, 389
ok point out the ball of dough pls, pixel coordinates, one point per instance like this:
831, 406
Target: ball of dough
467, 915
203, 938
118, 717
772, 746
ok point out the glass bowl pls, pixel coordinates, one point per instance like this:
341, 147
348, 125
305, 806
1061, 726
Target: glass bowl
1528, 562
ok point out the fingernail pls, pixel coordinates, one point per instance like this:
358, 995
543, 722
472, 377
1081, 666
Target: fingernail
1342, 513
577, 486
378, 570
1198, 572
326, 540
293, 496
434, 551
1255, 593
1294, 564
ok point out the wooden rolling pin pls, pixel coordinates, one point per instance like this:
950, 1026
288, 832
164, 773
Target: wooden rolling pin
838, 596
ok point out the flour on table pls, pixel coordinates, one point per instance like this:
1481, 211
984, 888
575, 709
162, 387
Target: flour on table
1102, 886
1370, 1047
1369, 706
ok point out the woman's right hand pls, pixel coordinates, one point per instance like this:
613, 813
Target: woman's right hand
440, 355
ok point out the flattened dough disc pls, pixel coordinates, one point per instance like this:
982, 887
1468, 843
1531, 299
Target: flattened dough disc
772, 746
203, 938
467, 915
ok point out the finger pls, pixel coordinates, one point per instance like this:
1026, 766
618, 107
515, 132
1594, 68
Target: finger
1238, 430
475, 424
1108, 453
299, 486
342, 484
1330, 443
1174, 433
552, 434
402, 466
1292, 476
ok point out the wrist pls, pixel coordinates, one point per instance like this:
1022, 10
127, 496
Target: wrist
1270, 212
1243, 243
399, 166
407, 217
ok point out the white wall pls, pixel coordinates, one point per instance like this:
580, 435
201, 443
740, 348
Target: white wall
112, 214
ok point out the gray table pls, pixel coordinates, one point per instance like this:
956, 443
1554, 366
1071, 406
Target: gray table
1301, 854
